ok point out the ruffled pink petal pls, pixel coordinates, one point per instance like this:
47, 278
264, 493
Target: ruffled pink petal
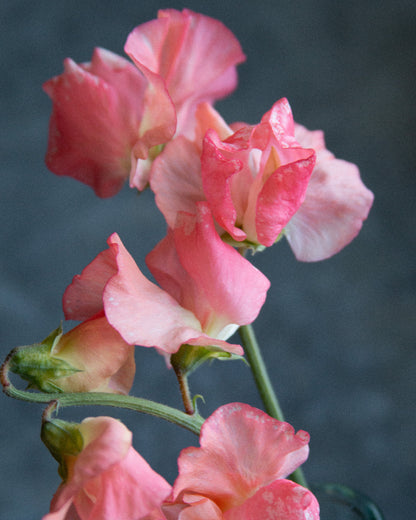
195, 55
242, 449
143, 313
332, 214
281, 196
83, 298
283, 499
97, 109
217, 171
106, 361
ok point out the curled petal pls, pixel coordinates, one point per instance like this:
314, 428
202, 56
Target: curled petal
83, 298
242, 450
281, 196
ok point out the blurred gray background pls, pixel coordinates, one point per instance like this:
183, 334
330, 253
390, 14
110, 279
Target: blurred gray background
338, 336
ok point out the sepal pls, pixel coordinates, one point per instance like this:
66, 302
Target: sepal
190, 357
63, 439
37, 365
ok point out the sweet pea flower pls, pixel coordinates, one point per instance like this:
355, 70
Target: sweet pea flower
239, 471
254, 179
110, 119
192, 56
100, 119
335, 205
92, 357
103, 476
207, 289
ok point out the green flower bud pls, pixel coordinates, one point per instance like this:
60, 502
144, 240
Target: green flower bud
64, 440
37, 364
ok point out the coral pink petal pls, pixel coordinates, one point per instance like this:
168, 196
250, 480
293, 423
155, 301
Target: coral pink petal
281, 196
242, 450
143, 313
95, 122
176, 179
234, 288
191, 52
164, 263
83, 298
217, 171
283, 500
332, 214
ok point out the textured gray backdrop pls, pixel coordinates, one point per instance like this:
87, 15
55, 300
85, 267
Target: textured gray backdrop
338, 335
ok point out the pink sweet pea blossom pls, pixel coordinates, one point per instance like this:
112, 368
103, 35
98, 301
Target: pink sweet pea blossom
208, 289
110, 117
335, 206
193, 56
100, 120
108, 479
239, 471
254, 179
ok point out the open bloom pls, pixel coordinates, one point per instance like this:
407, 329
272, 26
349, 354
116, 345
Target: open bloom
109, 117
239, 471
103, 476
254, 179
208, 289
335, 205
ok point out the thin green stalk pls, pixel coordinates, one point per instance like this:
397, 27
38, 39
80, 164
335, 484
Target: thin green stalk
264, 385
192, 423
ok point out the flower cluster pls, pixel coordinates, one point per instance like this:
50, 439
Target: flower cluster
223, 189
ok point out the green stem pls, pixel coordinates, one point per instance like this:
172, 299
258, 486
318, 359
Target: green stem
264, 385
192, 423
184, 389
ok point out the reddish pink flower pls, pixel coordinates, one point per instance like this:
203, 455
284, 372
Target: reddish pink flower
208, 289
239, 471
194, 55
100, 119
109, 118
335, 206
254, 179
107, 479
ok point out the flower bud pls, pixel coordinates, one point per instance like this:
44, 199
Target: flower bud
37, 365
64, 440
91, 357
